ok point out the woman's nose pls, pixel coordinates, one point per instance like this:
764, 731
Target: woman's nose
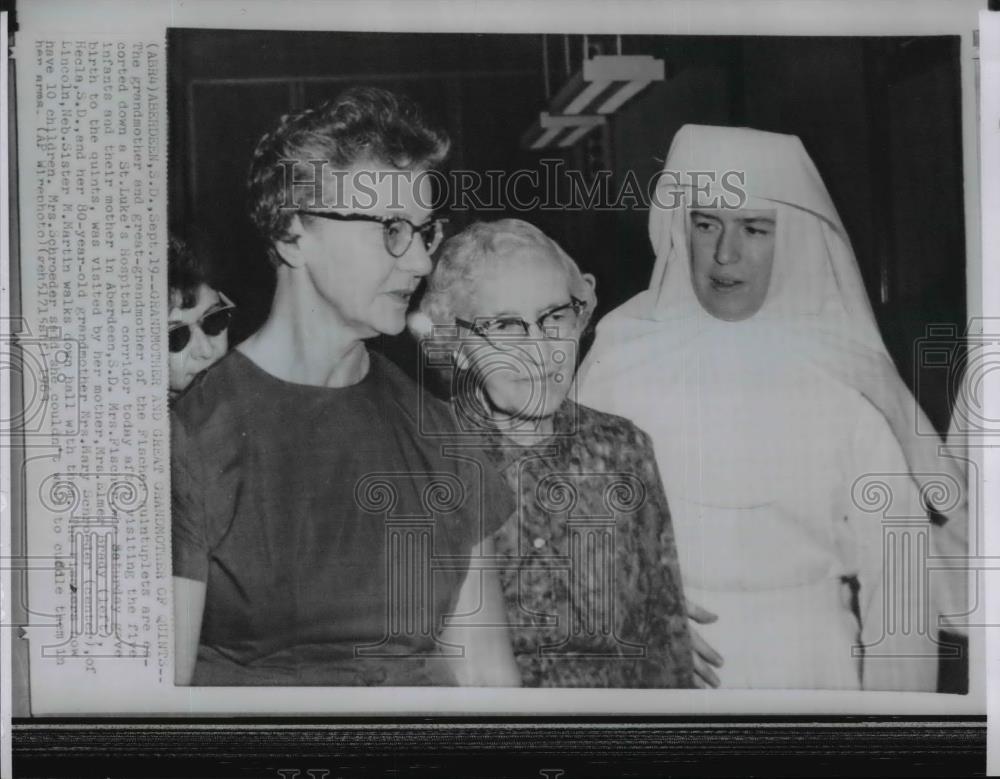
201, 346
416, 260
727, 250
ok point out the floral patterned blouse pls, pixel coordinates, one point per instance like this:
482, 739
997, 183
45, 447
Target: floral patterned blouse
590, 573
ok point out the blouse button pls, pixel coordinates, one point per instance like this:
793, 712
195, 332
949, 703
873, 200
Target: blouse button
538, 543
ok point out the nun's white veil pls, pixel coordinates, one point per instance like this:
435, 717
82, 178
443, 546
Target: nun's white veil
756, 387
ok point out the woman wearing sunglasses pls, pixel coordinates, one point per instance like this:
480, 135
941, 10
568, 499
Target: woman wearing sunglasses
589, 565
199, 317
322, 530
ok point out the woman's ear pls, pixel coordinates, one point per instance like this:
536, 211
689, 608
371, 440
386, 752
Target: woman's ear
592, 283
290, 249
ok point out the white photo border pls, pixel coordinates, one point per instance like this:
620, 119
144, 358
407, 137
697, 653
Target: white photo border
721, 17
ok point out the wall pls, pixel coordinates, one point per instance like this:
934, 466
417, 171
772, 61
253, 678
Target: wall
880, 117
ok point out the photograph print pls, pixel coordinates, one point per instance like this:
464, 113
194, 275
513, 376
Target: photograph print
569, 361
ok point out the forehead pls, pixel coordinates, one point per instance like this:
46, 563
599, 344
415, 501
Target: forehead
736, 214
205, 298
526, 280
379, 189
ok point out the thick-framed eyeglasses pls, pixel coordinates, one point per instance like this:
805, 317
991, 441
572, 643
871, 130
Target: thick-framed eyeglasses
556, 323
397, 232
211, 324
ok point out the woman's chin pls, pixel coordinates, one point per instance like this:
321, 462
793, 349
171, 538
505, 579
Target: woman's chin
533, 411
390, 324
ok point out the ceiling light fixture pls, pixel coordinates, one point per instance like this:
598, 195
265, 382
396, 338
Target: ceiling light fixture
600, 88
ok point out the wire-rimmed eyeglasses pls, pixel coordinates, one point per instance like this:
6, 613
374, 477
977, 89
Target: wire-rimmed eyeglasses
561, 320
397, 232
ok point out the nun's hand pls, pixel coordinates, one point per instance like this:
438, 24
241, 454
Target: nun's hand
704, 656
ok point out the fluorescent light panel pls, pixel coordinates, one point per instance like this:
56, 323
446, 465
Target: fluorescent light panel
604, 85
586, 97
576, 135
627, 91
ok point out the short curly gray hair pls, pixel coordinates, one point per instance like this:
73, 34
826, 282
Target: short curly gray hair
362, 123
465, 257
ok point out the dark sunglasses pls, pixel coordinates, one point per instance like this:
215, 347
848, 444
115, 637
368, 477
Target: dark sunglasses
397, 233
213, 323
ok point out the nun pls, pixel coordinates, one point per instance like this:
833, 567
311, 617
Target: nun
802, 499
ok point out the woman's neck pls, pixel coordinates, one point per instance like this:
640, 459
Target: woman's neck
523, 432
305, 342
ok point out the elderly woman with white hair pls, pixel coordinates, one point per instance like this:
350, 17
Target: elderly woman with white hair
588, 563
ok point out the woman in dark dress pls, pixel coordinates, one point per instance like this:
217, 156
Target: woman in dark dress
320, 535
589, 567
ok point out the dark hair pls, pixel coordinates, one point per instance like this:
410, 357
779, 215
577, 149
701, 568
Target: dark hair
186, 272
362, 123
